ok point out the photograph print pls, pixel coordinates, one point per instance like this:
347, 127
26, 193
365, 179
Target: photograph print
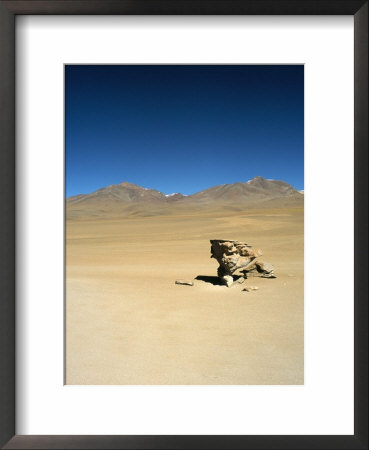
184, 224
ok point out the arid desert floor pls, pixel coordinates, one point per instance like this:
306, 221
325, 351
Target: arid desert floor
127, 322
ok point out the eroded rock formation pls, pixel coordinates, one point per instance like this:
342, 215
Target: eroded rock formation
238, 258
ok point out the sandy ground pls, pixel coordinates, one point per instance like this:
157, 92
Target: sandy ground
128, 323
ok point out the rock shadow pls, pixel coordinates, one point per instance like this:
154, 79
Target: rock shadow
216, 281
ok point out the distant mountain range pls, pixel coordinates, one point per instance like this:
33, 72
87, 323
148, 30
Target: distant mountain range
136, 198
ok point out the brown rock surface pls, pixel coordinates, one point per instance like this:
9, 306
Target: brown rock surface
259, 268
236, 256
232, 255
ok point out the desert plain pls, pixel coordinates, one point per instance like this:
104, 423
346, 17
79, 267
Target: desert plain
128, 323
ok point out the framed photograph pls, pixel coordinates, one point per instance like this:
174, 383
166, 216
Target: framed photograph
184, 224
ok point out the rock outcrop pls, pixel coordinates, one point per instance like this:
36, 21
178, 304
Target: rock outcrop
238, 258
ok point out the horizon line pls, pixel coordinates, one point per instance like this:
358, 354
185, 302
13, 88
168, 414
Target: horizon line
185, 195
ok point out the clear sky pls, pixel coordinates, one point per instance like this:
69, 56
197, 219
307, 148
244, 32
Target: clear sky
182, 128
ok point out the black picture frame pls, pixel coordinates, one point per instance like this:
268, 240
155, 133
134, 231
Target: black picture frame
8, 11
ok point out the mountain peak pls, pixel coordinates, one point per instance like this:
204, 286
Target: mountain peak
255, 190
129, 185
257, 179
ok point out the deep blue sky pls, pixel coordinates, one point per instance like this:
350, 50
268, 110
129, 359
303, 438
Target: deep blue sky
182, 128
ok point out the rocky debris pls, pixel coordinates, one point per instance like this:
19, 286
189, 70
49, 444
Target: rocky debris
259, 269
235, 257
250, 288
184, 282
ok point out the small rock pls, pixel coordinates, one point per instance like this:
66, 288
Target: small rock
241, 280
228, 280
250, 288
185, 282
